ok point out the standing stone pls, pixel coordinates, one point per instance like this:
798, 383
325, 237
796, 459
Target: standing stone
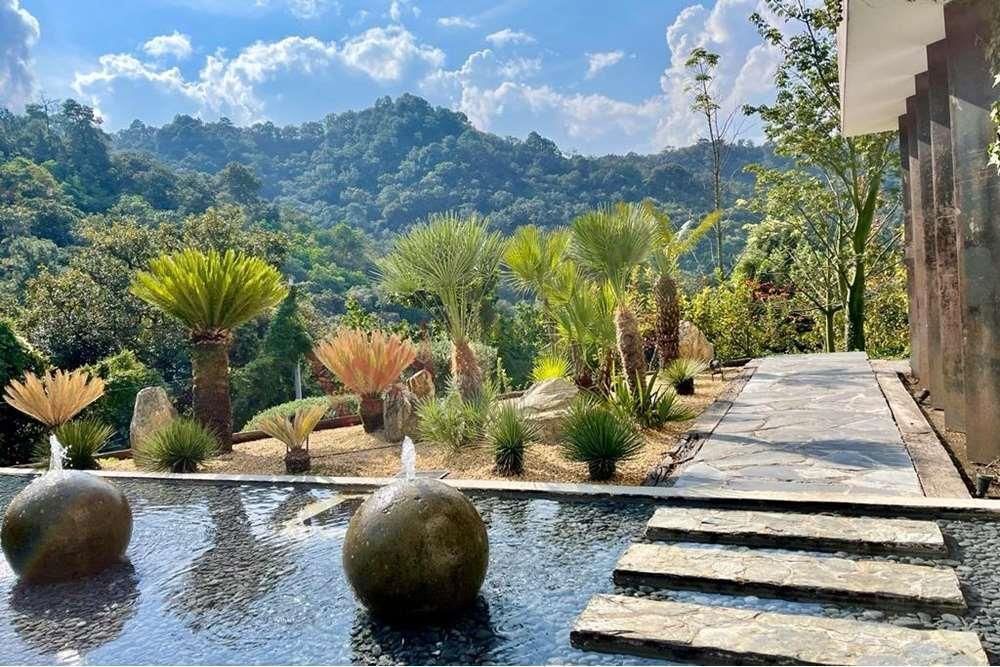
912, 301
694, 344
152, 412
921, 364
547, 403
398, 413
421, 385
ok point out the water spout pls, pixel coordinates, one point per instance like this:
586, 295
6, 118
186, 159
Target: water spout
56, 454
409, 459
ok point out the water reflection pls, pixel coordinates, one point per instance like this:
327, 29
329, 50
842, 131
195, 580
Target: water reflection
77, 615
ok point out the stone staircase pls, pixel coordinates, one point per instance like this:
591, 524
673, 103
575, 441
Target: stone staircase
693, 560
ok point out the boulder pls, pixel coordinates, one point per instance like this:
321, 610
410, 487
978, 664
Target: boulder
399, 413
421, 385
547, 403
153, 411
693, 344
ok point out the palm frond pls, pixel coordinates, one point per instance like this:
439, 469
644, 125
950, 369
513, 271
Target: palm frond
294, 430
210, 291
532, 260
366, 364
608, 243
55, 397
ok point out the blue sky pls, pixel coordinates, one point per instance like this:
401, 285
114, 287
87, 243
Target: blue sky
595, 76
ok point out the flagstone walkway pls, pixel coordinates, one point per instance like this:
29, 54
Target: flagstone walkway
814, 423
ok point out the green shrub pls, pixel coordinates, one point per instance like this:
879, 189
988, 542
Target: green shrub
508, 434
646, 406
450, 420
82, 438
124, 376
596, 435
340, 406
549, 366
680, 374
19, 434
180, 446
441, 351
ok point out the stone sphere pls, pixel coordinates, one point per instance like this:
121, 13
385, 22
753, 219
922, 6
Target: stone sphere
65, 525
416, 548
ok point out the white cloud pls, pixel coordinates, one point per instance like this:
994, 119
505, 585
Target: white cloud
227, 86
456, 22
508, 36
599, 61
175, 44
19, 31
397, 9
310, 9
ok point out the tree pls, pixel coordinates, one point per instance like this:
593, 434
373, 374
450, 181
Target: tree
608, 244
211, 294
451, 262
533, 261
804, 123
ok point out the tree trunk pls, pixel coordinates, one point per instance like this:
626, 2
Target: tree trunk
465, 369
829, 330
630, 346
855, 320
210, 387
668, 317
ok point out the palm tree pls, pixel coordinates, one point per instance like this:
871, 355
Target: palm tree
211, 294
533, 260
608, 244
452, 262
671, 244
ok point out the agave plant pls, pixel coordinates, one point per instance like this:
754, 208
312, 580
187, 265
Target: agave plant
680, 373
508, 433
211, 294
183, 445
453, 263
82, 439
54, 398
594, 434
366, 365
294, 432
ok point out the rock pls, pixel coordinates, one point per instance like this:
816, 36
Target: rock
152, 412
65, 525
421, 384
693, 344
399, 413
547, 403
416, 548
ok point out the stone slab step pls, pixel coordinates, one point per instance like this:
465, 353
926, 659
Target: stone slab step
820, 532
723, 635
790, 575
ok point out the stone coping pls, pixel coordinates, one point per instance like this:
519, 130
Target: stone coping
918, 506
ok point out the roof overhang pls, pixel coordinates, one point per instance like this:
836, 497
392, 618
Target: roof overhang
881, 45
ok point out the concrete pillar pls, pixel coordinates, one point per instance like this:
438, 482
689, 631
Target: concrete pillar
946, 250
913, 314
977, 199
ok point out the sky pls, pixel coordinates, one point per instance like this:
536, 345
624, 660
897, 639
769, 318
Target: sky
595, 76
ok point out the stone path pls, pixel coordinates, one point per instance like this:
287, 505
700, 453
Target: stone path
812, 423
820, 532
718, 635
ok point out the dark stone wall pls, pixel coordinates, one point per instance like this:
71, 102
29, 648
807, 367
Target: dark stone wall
913, 314
921, 366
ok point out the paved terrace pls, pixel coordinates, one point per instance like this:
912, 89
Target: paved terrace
806, 423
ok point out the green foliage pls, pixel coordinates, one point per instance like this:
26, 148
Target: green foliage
646, 405
450, 420
682, 370
124, 376
340, 406
508, 434
533, 260
887, 318
18, 433
83, 439
596, 435
183, 445
519, 336
608, 243
549, 366
486, 356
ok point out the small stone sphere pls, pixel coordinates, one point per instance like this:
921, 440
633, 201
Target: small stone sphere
416, 548
65, 525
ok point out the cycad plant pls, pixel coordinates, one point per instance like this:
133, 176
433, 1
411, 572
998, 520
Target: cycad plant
366, 364
594, 434
608, 244
54, 398
211, 293
670, 246
680, 373
294, 432
452, 263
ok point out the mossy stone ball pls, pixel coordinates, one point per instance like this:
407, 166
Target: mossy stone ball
416, 549
65, 525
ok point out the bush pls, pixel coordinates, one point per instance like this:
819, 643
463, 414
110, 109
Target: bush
508, 434
180, 446
19, 434
124, 376
340, 406
82, 438
450, 420
646, 406
596, 435
549, 366
680, 374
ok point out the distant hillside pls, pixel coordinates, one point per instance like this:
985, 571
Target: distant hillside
384, 167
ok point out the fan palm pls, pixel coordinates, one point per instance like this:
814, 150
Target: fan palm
211, 294
608, 244
670, 245
533, 259
454, 262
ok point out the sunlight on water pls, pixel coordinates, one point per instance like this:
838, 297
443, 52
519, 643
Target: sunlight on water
409, 459
56, 454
